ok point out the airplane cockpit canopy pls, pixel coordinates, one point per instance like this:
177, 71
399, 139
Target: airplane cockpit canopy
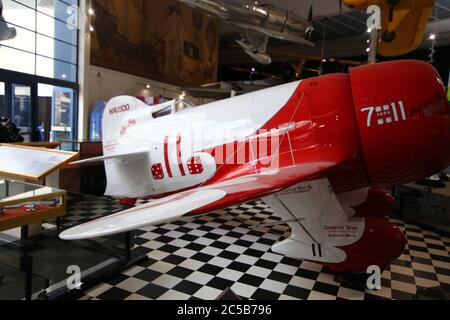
171, 107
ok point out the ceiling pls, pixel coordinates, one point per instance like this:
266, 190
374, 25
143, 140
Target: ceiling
345, 32
353, 22
348, 23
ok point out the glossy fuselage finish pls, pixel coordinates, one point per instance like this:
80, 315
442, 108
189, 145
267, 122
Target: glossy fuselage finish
333, 119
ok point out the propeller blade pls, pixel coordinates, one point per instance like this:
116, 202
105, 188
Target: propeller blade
391, 13
311, 14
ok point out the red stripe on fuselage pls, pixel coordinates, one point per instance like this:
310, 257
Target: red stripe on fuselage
180, 162
166, 156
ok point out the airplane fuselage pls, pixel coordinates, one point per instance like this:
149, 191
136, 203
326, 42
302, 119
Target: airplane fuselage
362, 128
266, 19
309, 149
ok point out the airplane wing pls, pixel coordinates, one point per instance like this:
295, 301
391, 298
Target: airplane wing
272, 33
257, 40
201, 200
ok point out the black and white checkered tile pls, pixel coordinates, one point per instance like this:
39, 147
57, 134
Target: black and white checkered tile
84, 208
201, 258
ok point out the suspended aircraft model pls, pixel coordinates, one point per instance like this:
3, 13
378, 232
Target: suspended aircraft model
257, 23
317, 151
403, 23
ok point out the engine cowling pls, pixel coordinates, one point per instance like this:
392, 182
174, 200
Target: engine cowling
404, 121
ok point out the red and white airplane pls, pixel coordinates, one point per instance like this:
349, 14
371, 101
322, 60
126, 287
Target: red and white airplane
318, 152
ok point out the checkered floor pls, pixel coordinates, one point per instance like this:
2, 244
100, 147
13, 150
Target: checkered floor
201, 258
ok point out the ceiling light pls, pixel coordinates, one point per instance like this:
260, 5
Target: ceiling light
148, 86
432, 36
368, 49
91, 28
369, 30
91, 11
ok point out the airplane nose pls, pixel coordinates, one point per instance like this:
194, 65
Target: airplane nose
430, 116
404, 120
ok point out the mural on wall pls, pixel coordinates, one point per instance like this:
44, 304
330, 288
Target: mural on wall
157, 39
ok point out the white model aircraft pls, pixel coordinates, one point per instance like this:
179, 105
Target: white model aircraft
318, 152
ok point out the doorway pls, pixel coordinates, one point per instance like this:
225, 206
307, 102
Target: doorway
43, 110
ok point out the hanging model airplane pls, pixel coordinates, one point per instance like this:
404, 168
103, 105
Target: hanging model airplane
403, 23
317, 151
257, 23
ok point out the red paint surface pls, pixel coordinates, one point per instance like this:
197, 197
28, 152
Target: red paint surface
180, 161
166, 157
331, 137
379, 204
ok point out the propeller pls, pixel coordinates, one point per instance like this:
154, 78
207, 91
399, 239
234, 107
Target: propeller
310, 14
310, 28
389, 36
392, 4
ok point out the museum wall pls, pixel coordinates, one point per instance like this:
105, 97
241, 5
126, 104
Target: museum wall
105, 84
163, 40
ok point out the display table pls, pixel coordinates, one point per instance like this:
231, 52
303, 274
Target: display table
36, 267
23, 204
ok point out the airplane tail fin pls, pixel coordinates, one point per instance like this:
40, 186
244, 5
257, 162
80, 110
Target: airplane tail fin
116, 119
127, 167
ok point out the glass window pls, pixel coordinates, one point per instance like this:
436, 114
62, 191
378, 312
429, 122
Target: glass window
55, 49
16, 60
55, 69
56, 29
29, 3
21, 112
71, 2
23, 40
2, 99
62, 10
183, 104
55, 113
18, 14
48, 32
